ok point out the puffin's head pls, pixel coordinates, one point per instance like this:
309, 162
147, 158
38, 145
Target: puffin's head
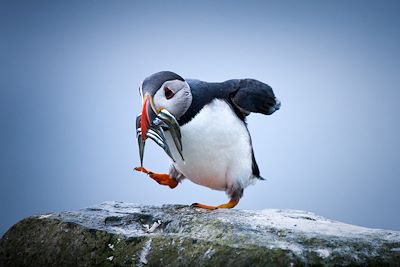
166, 96
163, 90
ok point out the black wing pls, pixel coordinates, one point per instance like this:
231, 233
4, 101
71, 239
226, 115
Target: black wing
251, 95
246, 95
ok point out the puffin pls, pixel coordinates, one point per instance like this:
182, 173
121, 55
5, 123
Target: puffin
202, 127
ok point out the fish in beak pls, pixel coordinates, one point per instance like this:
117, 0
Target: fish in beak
151, 123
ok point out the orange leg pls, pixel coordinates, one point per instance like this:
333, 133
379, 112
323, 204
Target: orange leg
232, 203
161, 178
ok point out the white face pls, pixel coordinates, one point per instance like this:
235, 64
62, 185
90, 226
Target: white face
175, 96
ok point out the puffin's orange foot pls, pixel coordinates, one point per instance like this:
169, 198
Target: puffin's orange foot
232, 203
161, 178
202, 206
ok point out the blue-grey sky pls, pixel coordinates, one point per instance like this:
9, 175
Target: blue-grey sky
69, 81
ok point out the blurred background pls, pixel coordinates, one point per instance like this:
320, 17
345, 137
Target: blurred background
70, 73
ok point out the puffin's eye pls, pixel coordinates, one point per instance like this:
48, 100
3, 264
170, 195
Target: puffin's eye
168, 92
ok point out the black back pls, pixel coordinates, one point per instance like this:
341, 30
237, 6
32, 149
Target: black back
244, 95
203, 93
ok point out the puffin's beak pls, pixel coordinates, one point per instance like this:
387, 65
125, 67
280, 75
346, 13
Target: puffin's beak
150, 123
148, 115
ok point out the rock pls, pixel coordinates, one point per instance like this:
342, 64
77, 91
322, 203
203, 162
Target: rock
118, 234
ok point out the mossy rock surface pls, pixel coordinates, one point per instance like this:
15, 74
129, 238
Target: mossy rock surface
116, 234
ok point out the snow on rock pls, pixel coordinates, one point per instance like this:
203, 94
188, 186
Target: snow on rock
115, 233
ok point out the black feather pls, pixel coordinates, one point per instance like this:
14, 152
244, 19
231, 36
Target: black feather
244, 95
253, 96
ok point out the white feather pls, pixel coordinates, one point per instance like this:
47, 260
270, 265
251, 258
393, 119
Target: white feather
216, 148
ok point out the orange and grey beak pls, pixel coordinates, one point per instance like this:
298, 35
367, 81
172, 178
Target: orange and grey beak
151, 124
148, 115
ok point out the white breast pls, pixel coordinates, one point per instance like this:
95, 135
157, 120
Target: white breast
216, 148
